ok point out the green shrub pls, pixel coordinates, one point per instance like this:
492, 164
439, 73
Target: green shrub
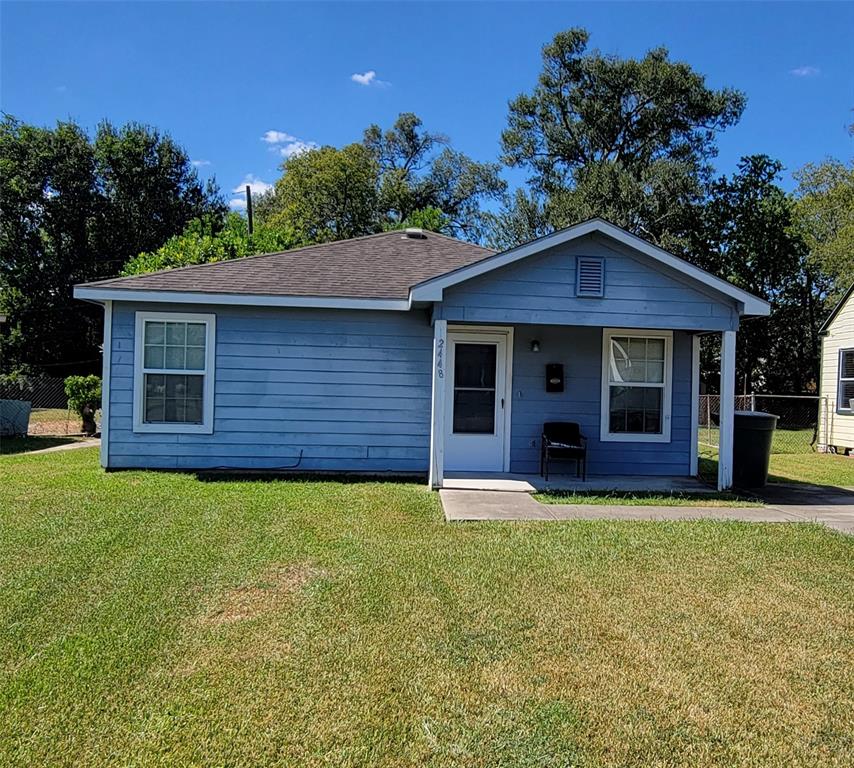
83, 391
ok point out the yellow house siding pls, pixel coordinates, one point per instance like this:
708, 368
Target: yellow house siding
836, 428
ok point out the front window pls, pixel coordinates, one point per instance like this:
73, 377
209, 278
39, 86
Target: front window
845, 391
174, 383
636, 386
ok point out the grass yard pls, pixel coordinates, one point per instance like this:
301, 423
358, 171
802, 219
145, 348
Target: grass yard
154, 619
816, 468
651, 499
784, 440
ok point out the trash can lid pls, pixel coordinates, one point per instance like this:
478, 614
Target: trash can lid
756, 419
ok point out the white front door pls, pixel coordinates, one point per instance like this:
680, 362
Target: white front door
476, 401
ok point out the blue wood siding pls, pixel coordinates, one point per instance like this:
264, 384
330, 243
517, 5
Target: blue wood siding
541, 289
349, 389
580, 351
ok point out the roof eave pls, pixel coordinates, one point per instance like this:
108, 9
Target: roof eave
94, 293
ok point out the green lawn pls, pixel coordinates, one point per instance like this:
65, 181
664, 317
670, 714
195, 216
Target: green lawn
817, 468
154, 619
784, 440
651, 499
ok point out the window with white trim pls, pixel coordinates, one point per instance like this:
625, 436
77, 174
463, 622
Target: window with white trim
845, 388
174, 372
636, 385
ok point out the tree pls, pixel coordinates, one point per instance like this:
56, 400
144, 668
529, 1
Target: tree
746, 235
71, 210
392, 178
211, 239
324, 194
418, 170
824, 217
627, 139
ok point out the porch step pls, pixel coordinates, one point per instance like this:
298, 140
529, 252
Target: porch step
523, 483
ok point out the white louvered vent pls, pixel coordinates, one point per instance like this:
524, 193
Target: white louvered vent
590, 276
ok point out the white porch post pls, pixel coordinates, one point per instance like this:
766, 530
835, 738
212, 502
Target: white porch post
727, 410
695, 405
106, 375
437, 420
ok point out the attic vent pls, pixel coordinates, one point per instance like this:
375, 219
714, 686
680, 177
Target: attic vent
590, 276
414, 233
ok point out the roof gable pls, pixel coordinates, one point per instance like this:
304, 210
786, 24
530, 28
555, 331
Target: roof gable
837, 309
433, 289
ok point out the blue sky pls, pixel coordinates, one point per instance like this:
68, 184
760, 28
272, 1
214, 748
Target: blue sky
223, 77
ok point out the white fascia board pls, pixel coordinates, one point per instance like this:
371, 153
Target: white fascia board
432, 290
235, 299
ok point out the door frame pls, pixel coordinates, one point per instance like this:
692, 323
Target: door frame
507, 332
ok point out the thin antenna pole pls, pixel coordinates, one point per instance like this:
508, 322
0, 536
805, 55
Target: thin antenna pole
249, 208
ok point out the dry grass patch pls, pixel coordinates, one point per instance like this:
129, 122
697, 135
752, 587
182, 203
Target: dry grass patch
270, 592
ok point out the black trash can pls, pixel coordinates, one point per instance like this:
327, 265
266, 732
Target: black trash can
753, 432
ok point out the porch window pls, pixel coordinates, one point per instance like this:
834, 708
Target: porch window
636, 386
845, 390
174, 372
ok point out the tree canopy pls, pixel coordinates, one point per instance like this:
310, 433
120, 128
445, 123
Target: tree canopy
746, 235
391, 179
630, 140
208, 239
74, 209
824, 216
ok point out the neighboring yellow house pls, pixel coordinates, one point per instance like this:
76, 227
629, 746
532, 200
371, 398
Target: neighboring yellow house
836, 422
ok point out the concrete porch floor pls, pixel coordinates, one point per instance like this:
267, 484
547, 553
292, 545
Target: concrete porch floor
523, 483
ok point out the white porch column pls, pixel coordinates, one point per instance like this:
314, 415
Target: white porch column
106, 376
727, 410
437, 420
695, 404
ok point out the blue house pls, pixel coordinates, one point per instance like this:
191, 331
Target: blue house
413, 352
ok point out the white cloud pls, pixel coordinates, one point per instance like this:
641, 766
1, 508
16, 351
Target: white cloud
200, 163
277, 137
287, 145
256, 186
367, 78
297, 148
806, 71
238, 204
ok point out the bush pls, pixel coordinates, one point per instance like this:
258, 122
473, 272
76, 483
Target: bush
84, 397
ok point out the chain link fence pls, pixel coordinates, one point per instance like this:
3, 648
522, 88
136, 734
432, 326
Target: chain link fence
796, 428
50, 414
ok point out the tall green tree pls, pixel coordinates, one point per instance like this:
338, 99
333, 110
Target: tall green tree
628, 139
324, 194
418, 170
74, 209
399, 177
746, 235
824, 217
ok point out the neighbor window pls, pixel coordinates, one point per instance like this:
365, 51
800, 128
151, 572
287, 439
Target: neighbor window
845, 390
173, 389
636, 382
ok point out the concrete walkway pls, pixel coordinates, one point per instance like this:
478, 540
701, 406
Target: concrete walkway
498, 505
66, 446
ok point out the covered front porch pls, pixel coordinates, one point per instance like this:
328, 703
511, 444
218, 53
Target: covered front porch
487, 421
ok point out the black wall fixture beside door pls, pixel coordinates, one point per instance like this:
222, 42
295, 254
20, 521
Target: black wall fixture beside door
554, 377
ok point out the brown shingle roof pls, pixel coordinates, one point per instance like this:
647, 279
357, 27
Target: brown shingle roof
382, 266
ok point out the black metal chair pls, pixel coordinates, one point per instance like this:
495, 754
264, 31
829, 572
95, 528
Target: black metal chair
563, 440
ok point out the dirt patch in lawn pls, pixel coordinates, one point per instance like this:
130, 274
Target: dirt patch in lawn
275, 586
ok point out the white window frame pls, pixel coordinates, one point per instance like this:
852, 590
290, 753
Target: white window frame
139, 371
605, 435
842, 407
